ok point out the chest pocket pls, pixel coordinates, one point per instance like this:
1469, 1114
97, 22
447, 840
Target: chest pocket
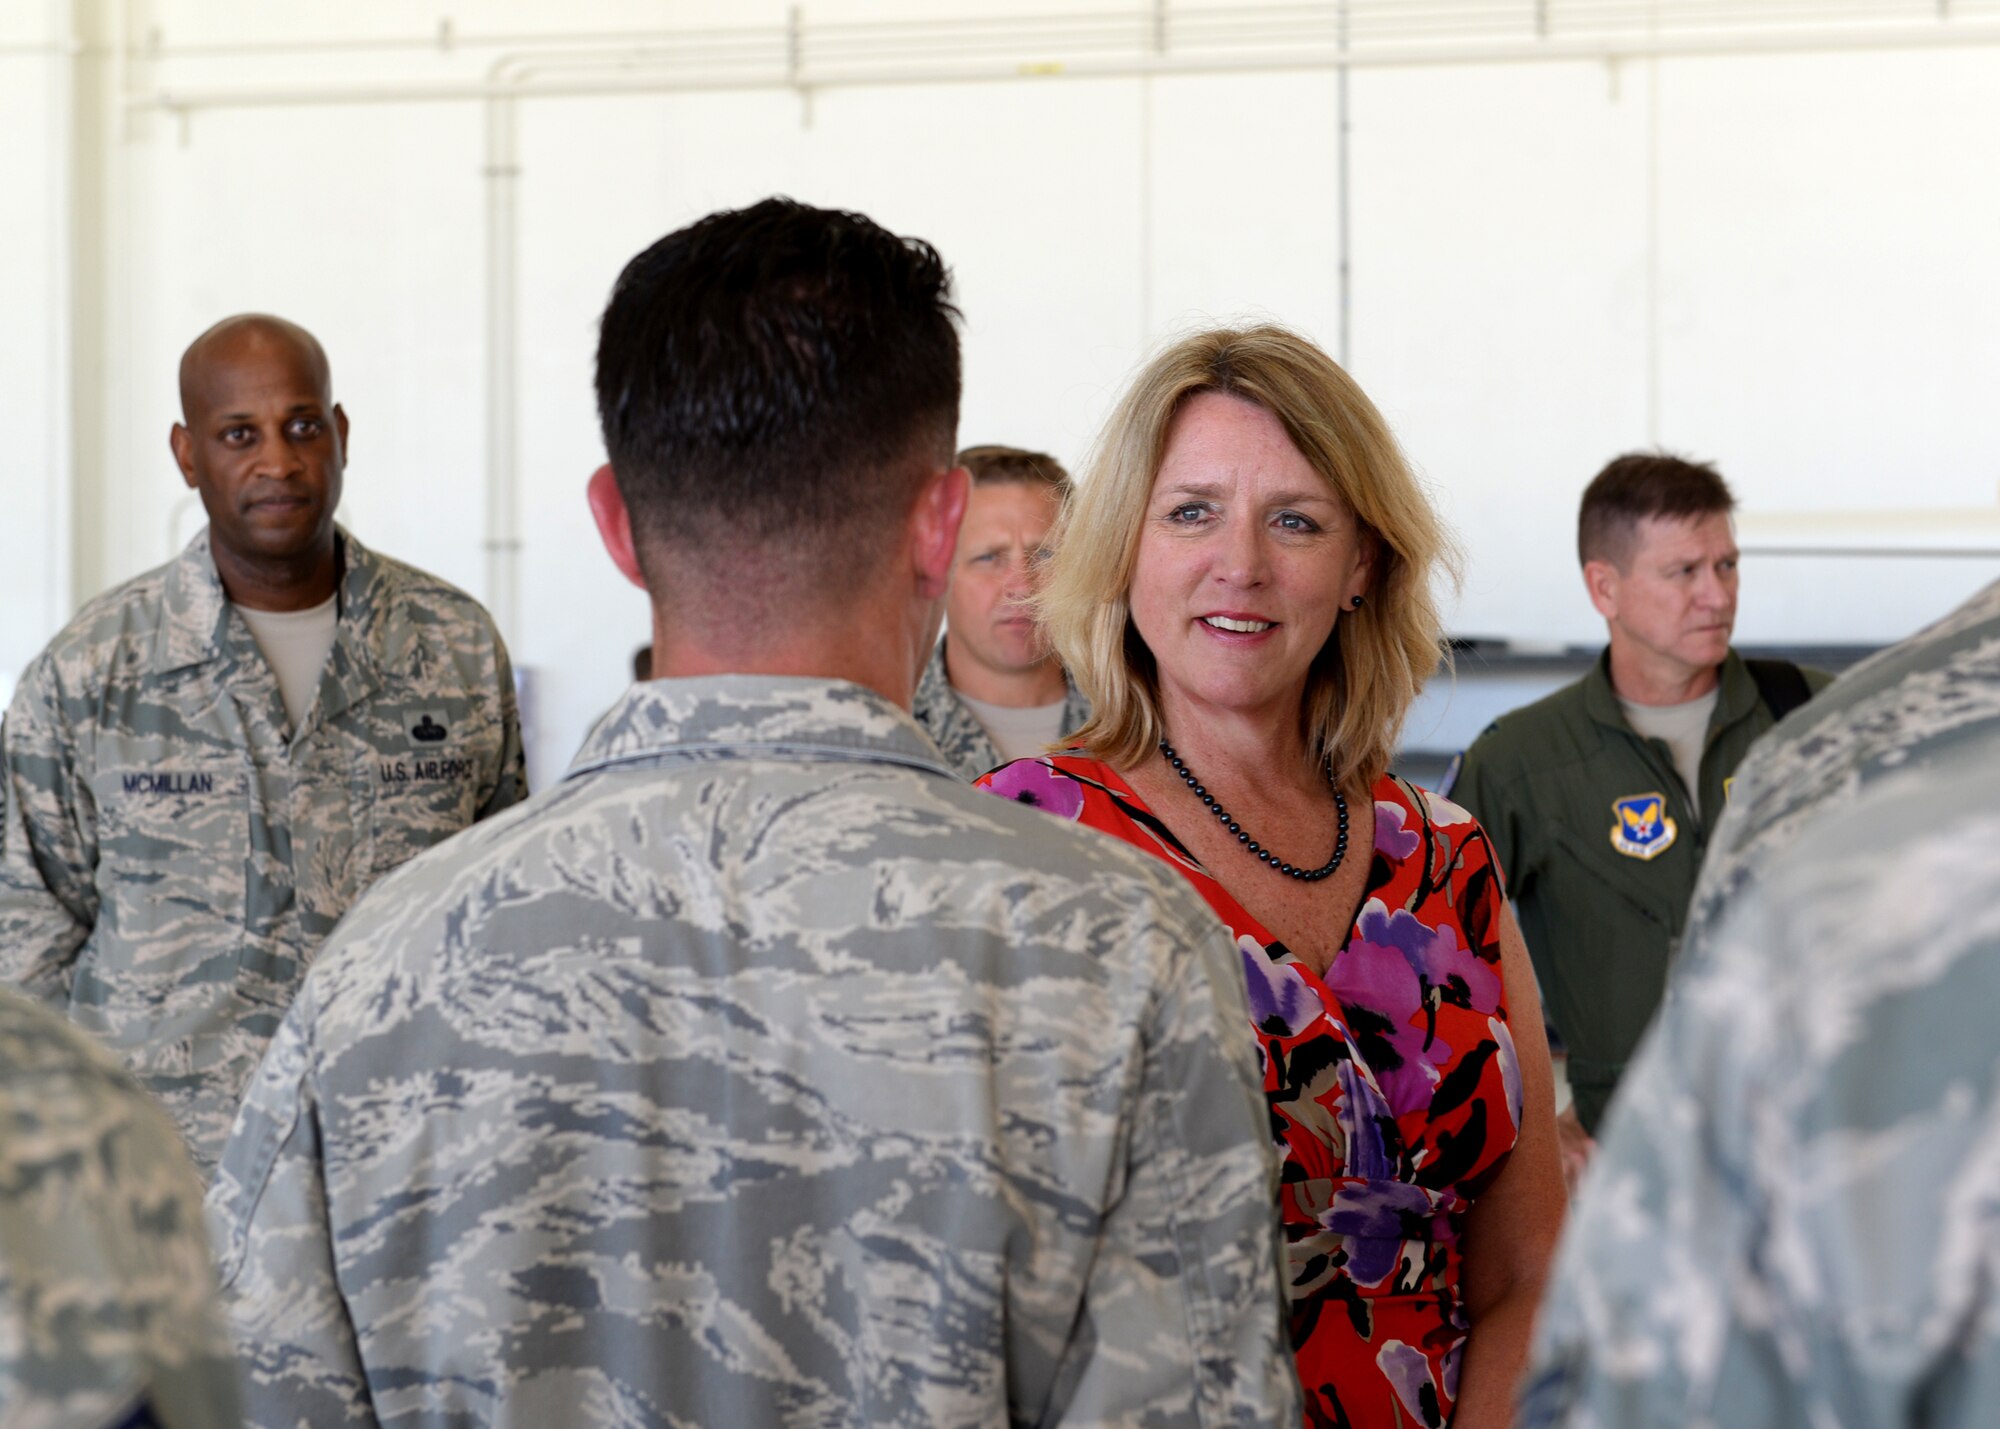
1646, 888
427, 781
173, 846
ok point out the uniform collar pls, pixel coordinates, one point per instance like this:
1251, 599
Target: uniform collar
793, 714
947, 717
1737, 698
937, 695
196, 627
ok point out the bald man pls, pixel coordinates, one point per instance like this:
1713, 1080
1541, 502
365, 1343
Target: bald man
211, 762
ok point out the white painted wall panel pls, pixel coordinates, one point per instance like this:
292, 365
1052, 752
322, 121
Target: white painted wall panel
1499, 313
33, 600
1826, 305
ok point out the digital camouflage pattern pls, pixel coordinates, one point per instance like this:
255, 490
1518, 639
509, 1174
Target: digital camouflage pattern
762, 1073
107, 1295
173, 853
1792, 1218
956, 730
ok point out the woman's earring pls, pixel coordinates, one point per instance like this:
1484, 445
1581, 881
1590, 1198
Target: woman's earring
1354, 604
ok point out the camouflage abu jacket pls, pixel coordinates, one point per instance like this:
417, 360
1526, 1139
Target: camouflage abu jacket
762, 1073
1791, 1217
173, 852
107, 1293
956, 730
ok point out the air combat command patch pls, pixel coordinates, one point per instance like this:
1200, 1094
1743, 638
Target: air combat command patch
1641, 826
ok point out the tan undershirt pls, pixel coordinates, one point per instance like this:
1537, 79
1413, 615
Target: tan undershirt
297, 643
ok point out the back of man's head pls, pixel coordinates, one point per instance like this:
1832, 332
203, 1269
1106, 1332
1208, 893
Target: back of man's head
994, 465
774, 383
1642, 485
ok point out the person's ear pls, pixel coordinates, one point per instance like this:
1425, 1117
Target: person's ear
1600, 579
934, 522
340, 429
181, 440
1363, 581
614, 524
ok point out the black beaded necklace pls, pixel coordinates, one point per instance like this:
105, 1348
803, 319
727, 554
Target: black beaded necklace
1307, 875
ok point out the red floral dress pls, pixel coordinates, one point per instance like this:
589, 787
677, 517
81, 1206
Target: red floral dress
1393, 1085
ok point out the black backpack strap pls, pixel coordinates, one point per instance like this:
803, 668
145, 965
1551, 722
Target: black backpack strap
1781, 684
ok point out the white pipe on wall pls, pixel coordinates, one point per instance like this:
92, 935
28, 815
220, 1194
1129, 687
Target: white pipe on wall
1952, 35
503, 536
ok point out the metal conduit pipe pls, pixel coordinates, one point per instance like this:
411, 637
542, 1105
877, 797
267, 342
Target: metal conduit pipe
626, 80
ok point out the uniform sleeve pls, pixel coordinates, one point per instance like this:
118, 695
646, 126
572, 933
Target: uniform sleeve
1475, 790
107, 1290
511, 787
268, 1217
1659, 1295
1183, 1321
48, 846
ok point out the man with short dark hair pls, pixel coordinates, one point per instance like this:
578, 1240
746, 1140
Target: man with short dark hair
994, 690
211, 762
763, 1072
1600, 797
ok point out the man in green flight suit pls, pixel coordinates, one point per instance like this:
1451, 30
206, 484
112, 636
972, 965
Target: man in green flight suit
1599, 798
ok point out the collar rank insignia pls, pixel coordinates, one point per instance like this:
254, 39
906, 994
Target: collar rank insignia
1641, 827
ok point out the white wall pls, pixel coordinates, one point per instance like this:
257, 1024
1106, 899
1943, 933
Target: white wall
1780, 262
34, 593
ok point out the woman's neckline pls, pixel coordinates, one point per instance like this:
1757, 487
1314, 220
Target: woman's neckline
1249, 922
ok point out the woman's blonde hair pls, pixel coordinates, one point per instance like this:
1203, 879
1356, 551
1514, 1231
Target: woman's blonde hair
1364, 679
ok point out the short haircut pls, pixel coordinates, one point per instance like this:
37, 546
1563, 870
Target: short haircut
996, 465
1363, 681
1640, 485
775, 373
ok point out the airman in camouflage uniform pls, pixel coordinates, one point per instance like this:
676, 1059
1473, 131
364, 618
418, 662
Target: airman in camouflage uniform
107, 1294
994, 650
764, 1072
174, 846
957, 732
1792, 1217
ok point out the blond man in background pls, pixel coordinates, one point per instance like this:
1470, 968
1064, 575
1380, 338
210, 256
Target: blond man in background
994, 690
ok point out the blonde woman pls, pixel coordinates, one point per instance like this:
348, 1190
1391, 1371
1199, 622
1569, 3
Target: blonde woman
1242, 586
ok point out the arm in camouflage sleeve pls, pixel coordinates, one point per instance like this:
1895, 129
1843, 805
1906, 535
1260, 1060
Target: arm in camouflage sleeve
267, 1216
512, 786
48, 850
1184, 1311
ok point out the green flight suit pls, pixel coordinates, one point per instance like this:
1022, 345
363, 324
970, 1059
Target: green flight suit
1601, 876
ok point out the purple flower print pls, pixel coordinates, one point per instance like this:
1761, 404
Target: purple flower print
1409, 1373
1391, 1211
1390, 979
1362, 1113
1437, 955
1372, 1259
1036, 782
1280, 1001
1392, 840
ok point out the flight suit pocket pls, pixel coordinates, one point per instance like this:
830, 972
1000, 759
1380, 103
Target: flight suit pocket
1614, 872
173, 838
